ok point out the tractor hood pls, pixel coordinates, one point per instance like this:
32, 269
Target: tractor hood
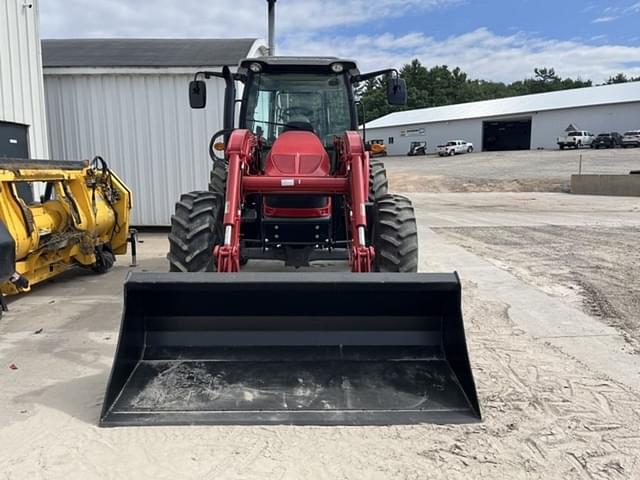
299, 153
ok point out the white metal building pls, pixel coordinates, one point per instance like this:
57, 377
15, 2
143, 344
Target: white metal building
127, 100
516, 123
23, 128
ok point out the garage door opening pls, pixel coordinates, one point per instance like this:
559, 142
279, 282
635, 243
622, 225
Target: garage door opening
506, 135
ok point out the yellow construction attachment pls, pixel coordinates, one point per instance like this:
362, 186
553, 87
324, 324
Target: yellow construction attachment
81, 218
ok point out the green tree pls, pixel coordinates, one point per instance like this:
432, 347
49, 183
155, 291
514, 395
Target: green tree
546, 74
440, 85
621, 78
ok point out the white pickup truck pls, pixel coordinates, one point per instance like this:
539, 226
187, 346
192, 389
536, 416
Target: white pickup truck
454, 146
577, 139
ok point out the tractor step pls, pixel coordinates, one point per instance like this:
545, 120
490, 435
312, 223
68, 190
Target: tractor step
291, 348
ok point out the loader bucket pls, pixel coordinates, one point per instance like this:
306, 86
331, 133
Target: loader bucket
291, 348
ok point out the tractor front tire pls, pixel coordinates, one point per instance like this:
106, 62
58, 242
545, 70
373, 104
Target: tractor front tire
395, 235
195, 229
218, 178
378, 183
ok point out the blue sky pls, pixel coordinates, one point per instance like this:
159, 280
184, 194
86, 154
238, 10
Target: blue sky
491, 39
594, 22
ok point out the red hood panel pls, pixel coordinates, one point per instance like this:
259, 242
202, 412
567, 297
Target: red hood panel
297, 153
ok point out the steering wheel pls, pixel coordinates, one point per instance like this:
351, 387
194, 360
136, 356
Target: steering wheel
287, 113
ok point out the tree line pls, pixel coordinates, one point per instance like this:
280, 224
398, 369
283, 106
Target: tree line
440, 85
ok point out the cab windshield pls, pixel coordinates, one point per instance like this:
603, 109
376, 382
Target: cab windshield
301, 101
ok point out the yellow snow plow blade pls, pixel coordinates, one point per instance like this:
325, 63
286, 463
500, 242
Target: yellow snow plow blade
81, 218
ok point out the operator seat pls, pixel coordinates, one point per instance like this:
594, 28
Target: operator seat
298, 126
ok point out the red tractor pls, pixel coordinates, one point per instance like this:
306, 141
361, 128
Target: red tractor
295, 182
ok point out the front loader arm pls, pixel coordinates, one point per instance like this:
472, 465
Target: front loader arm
240, 149
356, 159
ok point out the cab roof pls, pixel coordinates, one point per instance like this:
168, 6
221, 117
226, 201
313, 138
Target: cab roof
300, 63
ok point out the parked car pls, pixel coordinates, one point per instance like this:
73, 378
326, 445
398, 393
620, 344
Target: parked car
607, 140
576, 139
454, 146
631, 139
417, 148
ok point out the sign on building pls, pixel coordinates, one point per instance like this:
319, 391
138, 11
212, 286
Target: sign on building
412, 132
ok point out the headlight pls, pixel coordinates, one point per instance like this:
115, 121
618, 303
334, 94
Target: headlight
255, 67
337, 67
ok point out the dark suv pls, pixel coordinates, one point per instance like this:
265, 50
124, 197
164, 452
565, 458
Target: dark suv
607, 140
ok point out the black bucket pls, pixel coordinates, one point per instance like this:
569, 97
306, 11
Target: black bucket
291, 348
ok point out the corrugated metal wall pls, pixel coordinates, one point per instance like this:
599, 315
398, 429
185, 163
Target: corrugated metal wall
434, 134
143, 126
547, 126
21, 83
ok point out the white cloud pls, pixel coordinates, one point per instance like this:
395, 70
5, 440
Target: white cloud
635, 8
605, 19
217, 18
481, 53
302, 29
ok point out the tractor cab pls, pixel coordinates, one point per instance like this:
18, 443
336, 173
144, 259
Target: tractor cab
283, 94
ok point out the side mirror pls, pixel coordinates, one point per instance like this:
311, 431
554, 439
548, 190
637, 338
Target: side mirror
397, 91
197, 93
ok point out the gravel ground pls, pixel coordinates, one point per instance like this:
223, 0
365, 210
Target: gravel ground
542, 164
527, 171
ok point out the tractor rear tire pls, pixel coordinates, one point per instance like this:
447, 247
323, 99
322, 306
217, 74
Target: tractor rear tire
218, 178
395, 235
378, 183
195, 229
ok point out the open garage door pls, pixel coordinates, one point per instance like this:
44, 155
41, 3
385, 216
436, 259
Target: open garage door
506, 135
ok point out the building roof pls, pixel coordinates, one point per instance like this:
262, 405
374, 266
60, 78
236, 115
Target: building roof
579, 97
145, 52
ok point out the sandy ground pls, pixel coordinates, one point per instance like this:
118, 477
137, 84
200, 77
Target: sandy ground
559, 383
593, 267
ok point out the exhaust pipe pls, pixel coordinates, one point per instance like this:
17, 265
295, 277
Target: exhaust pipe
290, 348
272, 27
